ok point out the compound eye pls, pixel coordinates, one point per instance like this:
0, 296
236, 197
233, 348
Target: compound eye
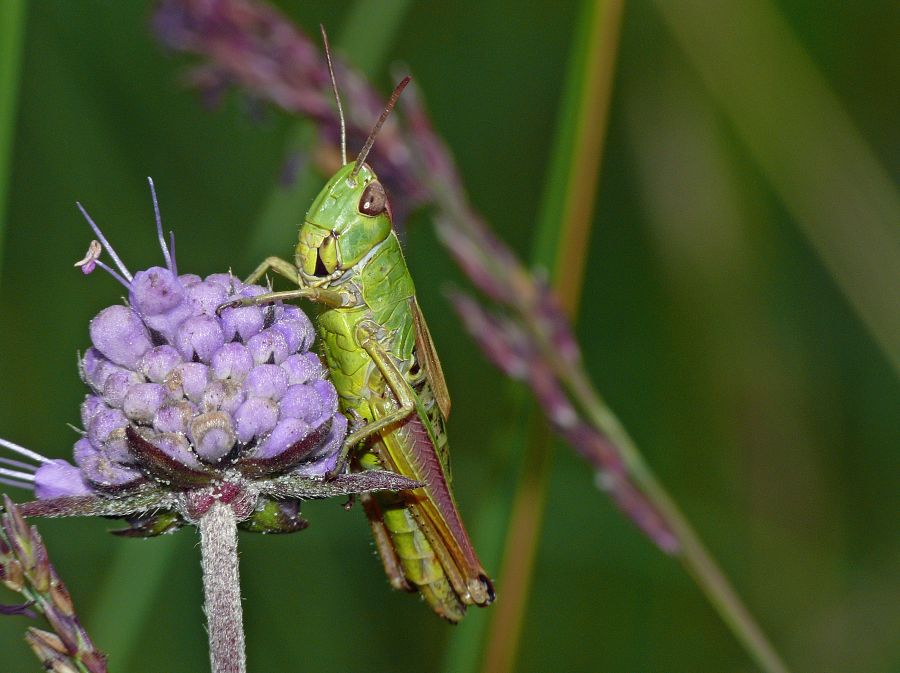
373, 201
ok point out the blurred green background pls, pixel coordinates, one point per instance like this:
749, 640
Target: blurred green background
740, 314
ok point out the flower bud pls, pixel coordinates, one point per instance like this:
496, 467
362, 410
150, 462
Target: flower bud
187, 398
118, 333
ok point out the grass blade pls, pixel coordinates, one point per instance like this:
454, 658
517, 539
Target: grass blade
807, 147
12, 35
561, 245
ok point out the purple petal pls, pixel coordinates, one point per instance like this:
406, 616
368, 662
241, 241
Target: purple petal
206, 297
268, 381
155, 291
335, 437
115, 448
189, 380
158, 362
291, 312
213, 396
117, 386
91, 406
269, 347
174, 417
301, 401
95, 368
212, 435
83, 450
142, 401
176, 446
167, 324
222, 395
242, 322
58, 478
298, 332
301, 368
227, 282
200, 336
105, 474
231, 361
119, 334
291, 442
327, 393
103, 424
286, 433
325, 458
252, 291
168, 458
255, 417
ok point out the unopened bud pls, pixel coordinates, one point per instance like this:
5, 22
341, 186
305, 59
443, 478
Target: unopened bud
40, 569
50, 650
13, 576
61, 598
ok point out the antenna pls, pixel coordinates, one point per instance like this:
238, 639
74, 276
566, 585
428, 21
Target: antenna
364, 152
337, 96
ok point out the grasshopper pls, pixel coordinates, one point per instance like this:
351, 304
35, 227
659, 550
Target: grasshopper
387, 374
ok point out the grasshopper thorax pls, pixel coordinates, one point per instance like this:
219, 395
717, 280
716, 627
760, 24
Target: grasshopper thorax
349, 217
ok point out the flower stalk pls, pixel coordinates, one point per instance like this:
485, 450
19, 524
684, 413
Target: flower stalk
221, 589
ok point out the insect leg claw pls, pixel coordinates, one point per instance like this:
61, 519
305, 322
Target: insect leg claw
356, 421
229, 304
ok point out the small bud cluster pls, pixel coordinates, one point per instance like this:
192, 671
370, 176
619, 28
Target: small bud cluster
175, 384
206, 390
193, 401
26, 569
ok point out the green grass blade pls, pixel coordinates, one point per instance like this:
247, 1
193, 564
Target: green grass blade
12, 35
283, 207
562, 233
369, 31
806, 146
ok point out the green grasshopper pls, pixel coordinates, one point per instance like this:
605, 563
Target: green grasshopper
386, 371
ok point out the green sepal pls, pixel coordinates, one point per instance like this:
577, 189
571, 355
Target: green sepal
152, 525
275, 516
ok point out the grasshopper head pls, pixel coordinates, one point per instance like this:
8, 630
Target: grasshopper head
349, 217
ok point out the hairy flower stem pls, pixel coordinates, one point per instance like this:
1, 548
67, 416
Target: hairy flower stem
221, 589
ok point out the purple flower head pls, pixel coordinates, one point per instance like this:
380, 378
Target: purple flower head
189, 404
